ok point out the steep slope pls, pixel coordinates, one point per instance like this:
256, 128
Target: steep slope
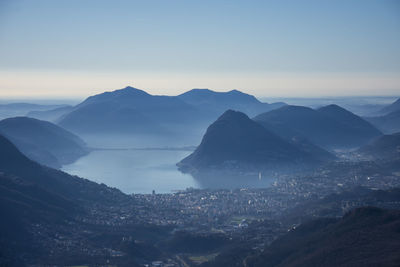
384, 147
350, 120
127, 110
218, 102
330, 127
43, 141
16, 165
297, 139
27, 184
235, 141
389, 123
35, 199
363, 237
22, 203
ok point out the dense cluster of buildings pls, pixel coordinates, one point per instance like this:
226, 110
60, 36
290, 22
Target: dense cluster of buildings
254, 215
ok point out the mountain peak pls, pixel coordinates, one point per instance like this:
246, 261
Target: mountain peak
221, 100
235, 91
130, 90
333, 107
122, 94
234, 137
201, 90
233, 115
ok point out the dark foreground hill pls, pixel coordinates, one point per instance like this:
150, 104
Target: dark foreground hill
50, 218
36, 202
21, 170
331, 127
363, 237
43, 141
236, 142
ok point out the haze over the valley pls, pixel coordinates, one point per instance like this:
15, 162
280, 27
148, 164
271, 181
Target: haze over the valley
200, 133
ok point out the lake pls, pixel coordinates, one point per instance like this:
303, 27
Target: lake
141, 164
134, 171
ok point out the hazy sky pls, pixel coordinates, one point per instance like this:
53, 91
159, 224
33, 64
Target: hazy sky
268, 48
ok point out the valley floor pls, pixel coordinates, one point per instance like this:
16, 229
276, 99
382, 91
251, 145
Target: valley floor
193, 227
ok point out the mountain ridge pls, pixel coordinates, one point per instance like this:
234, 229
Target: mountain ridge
131, 110
234, 139
43, 141
330, 127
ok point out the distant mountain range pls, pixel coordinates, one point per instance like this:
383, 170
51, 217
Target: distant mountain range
43, 141
385, 147
389, 123
331, 127
126, 110
21, 109
218, 102
131, 110
387, 119
363, 237
395, 106
234, 141
51, 115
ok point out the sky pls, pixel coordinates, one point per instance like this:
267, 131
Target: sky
268, 48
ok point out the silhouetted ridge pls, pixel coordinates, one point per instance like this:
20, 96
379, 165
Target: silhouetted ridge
234, 140
218, 102
117, 95
51, 115
349, 119
131, 110
198, 96
21, 109
128, 110
330, 127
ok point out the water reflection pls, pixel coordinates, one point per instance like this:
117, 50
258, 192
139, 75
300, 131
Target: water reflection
134, 171
232, 180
